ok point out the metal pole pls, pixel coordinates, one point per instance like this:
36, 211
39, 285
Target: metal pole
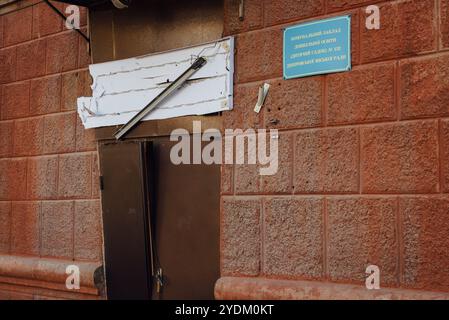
198, 64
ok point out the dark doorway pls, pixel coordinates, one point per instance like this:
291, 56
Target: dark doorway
142, 188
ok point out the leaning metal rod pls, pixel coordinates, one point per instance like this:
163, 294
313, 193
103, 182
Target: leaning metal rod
198, 64
64, 17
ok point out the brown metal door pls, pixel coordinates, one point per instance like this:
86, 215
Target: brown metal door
184, 200
125, 220
186, 220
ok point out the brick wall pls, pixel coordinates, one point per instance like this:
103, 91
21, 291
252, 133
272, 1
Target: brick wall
364, 160
49, 198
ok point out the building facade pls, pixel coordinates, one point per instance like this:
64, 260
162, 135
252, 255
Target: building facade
363, 173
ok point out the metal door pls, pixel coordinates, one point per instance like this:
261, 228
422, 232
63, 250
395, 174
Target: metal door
187, 210
125, 220
181, 203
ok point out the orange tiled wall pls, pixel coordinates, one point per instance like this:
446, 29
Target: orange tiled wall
49, 195
364, 155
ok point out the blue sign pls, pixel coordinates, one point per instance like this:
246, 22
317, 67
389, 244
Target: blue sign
317, 47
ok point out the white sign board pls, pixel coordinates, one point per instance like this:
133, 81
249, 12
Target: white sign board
122, 88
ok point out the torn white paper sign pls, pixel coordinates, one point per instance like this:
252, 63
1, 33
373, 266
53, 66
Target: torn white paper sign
263, 92
122, 88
